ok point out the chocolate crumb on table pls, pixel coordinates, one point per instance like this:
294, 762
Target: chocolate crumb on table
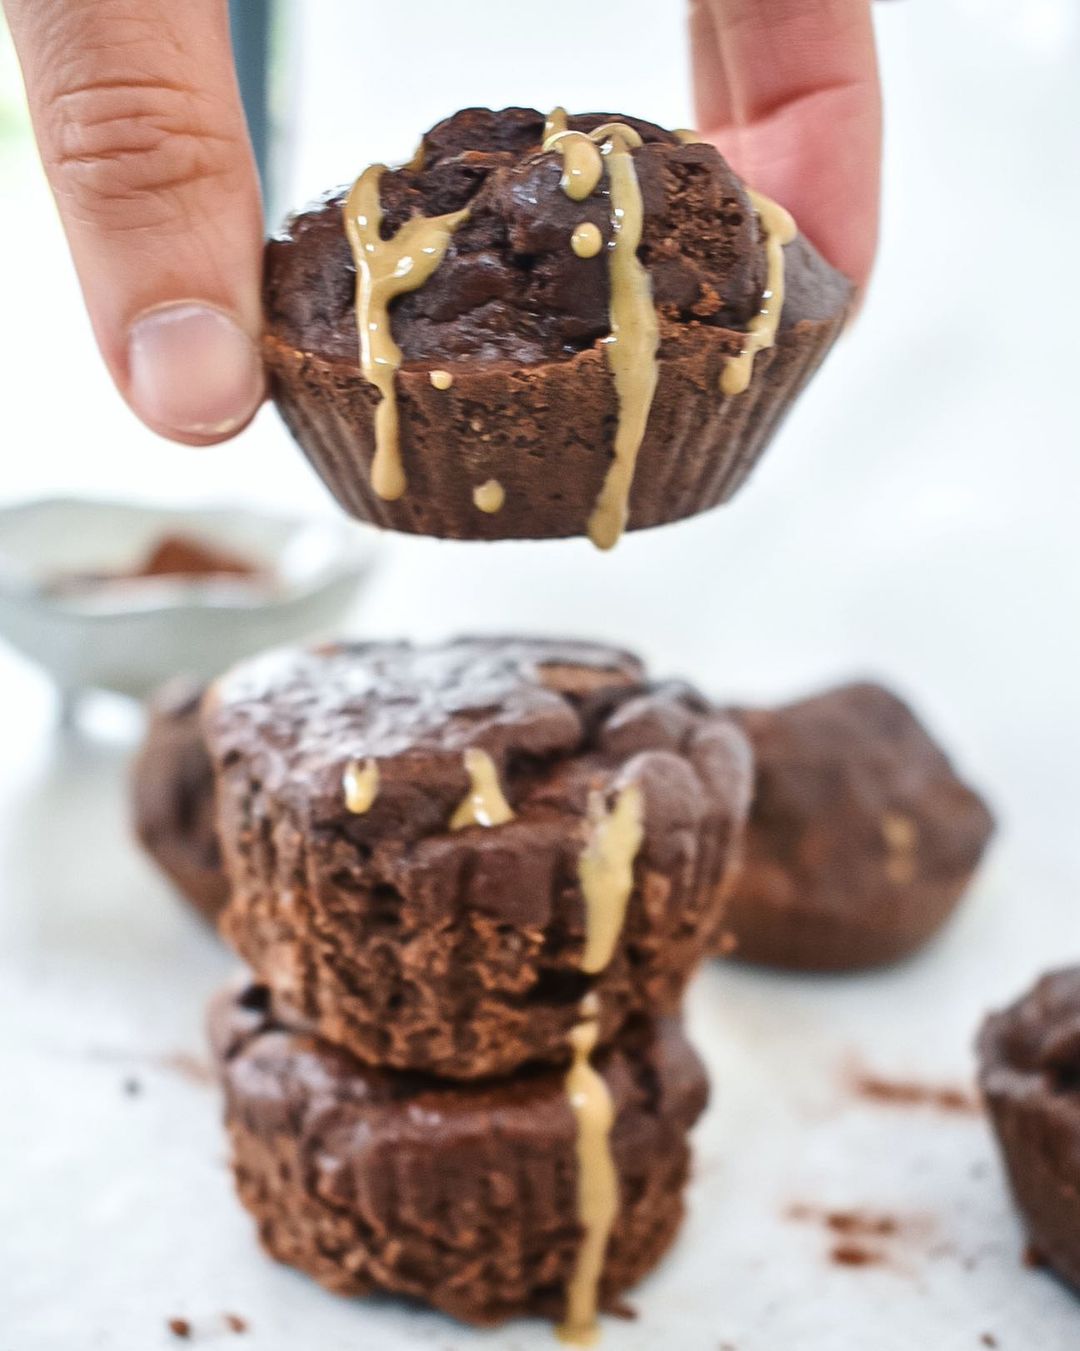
848, 1222
860, 1236
912, 1093
179, 1327
235, 1323
855, 1255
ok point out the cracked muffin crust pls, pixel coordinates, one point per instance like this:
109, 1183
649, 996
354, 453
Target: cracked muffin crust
505, 350
861, 838
458, 1195
406, 831
172, 798
1029, 1073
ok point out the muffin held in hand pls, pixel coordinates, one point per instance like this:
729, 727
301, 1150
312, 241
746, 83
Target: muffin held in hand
436, 853
463, 1196
1029, 1071
543, 327
172, 798
861, 838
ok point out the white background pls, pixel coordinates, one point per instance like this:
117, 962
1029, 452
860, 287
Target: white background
917, 519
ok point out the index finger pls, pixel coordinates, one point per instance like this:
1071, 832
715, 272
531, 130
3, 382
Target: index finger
788, 91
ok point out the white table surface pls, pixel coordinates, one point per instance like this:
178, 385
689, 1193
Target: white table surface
917, 519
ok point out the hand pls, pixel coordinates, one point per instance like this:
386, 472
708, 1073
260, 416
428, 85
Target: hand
788, 91
137, 113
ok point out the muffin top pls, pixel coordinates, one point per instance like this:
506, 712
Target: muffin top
849, 779
1037, 1038
401, 742
512, 285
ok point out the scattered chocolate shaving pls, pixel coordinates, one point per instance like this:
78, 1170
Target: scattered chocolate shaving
179, 1327
849, 1223
911, 1093
854, 1255
988, 1339
235, 1323
860, 1237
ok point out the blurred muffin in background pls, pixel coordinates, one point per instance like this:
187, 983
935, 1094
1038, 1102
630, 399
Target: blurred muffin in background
861, 839
172, 795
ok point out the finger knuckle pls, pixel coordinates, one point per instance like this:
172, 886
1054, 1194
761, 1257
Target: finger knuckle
123, 152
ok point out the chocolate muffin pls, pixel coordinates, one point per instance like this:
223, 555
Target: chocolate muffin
861, 838
172, 798
463, 1196
556, 341
436, 853
1030, 1077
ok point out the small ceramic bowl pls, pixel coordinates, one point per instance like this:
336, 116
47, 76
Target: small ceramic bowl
128, 634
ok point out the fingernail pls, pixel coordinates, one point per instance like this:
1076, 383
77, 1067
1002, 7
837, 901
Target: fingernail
192, 370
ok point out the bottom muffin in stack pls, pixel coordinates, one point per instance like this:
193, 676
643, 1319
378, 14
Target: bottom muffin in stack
463, 1195
472, 883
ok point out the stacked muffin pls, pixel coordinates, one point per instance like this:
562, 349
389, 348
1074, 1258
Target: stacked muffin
861, 842
472, 883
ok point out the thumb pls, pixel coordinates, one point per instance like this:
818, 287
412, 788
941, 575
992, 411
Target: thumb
138, 118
